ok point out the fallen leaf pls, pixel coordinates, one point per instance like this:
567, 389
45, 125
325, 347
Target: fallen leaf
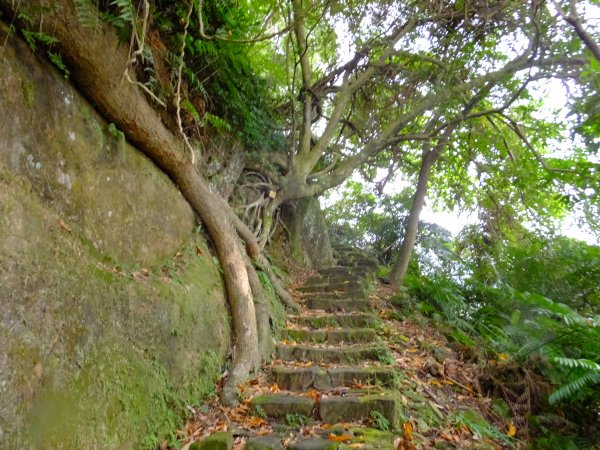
38, 370
239, 443
502, 356
338, 437
407, 431
512, 430
255, 422
64, 226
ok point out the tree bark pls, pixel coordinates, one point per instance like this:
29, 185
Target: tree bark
97, 60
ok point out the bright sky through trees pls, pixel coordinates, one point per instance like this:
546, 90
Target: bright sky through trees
552, 93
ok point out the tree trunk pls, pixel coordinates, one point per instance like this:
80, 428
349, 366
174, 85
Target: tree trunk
410, 234
263, 313
97, 60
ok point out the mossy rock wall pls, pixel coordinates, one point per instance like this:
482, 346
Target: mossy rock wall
112, 310
309, 237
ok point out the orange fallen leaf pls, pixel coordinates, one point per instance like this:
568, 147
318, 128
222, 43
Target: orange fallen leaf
313, 394
512, 430
407, 432
338, 437
255, 422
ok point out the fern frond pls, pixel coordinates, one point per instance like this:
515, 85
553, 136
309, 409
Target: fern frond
570, 389
87, 12
126, 12
578, 363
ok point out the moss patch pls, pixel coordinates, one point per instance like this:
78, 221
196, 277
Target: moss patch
93, 355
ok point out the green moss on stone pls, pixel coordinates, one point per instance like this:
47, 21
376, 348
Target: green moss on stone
217, 441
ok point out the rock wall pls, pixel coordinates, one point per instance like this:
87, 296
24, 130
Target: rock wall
309, 237
112, 310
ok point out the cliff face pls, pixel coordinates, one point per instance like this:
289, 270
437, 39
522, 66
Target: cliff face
112, 310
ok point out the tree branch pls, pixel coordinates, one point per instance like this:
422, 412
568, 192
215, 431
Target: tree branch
215, 37
573, 19
514, 126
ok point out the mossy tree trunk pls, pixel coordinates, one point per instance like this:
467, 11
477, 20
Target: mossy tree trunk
97, 60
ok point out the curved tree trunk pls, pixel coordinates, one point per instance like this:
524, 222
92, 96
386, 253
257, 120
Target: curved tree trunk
96, 60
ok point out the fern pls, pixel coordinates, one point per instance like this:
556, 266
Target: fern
124, 16
56, 59
38, 37
571, 390
126, 12
575, 387
87, 12
578, 363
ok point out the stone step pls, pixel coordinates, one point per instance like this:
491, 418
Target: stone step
349, 408
338, 304
277, 406
331, 408
347, 286
348, 354
363, 438
349, 295
330, 336
355, 320
358, 263
346, 271
324, 379
336, 279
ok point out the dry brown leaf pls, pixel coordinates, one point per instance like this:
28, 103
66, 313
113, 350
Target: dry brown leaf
38, 370
239, 443
64, 226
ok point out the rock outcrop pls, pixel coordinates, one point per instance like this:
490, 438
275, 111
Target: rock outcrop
112, 310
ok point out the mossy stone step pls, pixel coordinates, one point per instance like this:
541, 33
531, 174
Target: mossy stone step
356, 320
346, 271
346, 286
330, 336
344, 295
338, 304
336, 279
264, 443
277, 406
366, 265
314, 443
222, 440
376, 352
324, 379
352, 407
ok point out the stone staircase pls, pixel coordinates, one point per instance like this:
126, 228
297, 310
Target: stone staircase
331, 366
